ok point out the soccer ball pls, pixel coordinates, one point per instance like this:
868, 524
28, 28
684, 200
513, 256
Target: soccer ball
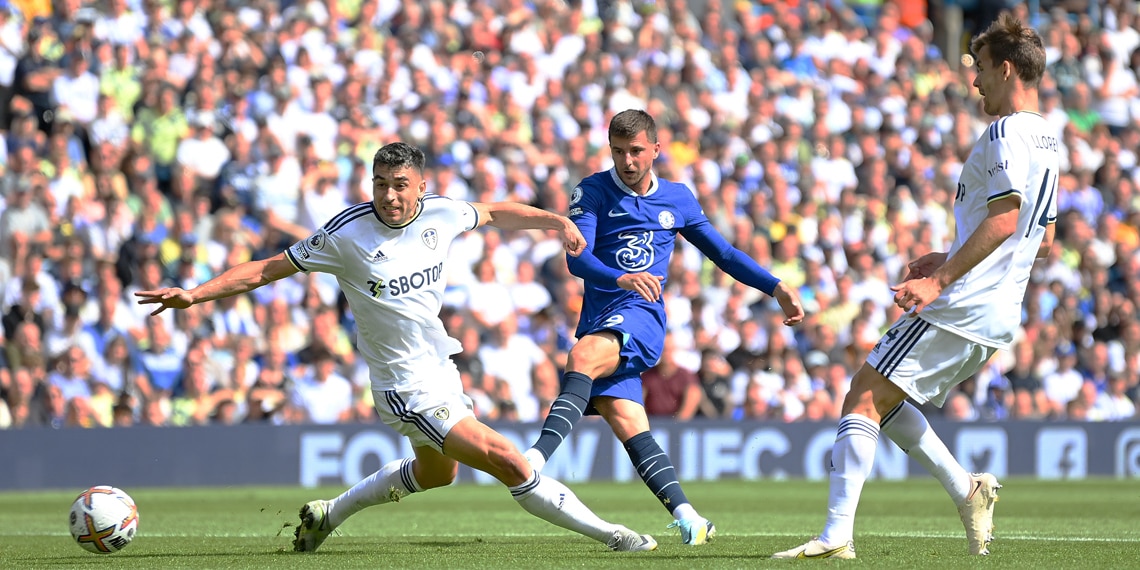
104, 519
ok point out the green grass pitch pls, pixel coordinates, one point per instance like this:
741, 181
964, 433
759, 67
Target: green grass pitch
901, 524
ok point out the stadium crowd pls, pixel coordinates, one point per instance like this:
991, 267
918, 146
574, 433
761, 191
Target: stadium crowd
149, 143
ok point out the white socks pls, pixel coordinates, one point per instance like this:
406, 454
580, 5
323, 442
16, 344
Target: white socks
551, 501
907, 427
684, 511
851, 462
391, 483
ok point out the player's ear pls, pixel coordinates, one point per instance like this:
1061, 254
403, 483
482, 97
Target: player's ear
1006, 70
656, 150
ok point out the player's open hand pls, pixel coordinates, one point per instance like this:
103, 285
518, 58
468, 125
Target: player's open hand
169, 298
925, 266
789, 301
646, 284
916, 294
572, 240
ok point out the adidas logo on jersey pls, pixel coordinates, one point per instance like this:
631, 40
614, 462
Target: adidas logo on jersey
379, 256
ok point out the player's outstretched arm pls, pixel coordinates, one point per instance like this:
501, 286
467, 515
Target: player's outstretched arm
512, 216
238, 279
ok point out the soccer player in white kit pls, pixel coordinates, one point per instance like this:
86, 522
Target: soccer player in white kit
963, 305
390, 258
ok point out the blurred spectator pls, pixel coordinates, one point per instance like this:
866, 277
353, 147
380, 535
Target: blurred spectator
999, 400
162, 360
38, 69
156, 411
49, 407
73, 374
527, 295
24, 223
525, 379
76, 90
24, 311
1113, 404
670, 390
488, 299
716, 386
157, 132
322, 396
959, 408
201, 155
266, 396
196, 402
120, 370
1062, 385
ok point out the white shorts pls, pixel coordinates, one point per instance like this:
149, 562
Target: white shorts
926, 361
426, 412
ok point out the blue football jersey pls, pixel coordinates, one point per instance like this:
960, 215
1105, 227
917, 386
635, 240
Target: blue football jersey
629, 233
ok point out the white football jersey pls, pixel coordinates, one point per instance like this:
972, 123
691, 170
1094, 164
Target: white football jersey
1017, 155
394, 279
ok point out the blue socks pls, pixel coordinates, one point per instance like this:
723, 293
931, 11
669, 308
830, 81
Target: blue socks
564, 412
656, 470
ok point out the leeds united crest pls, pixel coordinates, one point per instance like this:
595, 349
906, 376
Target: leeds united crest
430, 237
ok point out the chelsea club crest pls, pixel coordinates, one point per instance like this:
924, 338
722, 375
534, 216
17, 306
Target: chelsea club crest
430, 237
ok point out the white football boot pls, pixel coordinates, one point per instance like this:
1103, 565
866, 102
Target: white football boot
625, 540
977, 512
816, 549
314, 527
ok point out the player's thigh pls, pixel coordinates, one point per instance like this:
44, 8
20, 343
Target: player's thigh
596, 354
425, 413
639, 333
925, 361
626, 417
476, 445
871, 394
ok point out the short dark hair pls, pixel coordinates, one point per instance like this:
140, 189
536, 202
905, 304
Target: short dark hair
1012, 41
626, 125
399, 155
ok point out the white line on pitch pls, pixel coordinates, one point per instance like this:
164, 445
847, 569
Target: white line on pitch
999, 537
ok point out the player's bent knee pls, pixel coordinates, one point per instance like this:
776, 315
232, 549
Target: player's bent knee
440, 477
872, 394
433, 470
512, 473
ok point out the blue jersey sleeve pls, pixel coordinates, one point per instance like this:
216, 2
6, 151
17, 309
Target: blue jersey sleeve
584, 213
702, 234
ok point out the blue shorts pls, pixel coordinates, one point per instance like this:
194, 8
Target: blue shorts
640, 328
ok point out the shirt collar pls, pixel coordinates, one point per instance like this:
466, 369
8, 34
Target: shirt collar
653, 184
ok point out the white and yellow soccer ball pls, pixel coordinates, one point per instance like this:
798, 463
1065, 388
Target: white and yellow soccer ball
104, 519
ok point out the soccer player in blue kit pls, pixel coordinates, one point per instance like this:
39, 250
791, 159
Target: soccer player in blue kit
630, 219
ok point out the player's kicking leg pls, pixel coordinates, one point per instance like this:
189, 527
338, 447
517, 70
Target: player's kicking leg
481, 447
595, 355
631, 426
391, 483
565, 413
973, 494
